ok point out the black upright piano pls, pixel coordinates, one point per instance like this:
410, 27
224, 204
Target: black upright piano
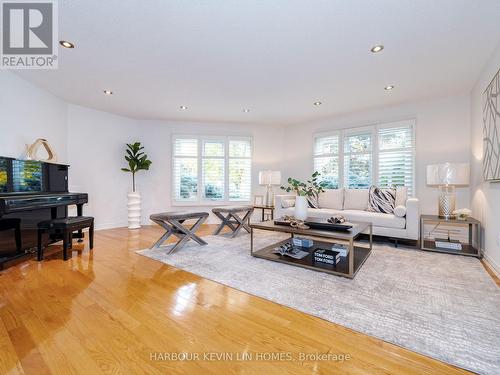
32, 191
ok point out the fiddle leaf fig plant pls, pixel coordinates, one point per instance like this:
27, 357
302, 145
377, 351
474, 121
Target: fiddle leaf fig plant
137, 160
311, 188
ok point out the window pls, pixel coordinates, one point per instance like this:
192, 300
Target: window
326, 160
4, 181
211, 169
26, 175
357, 158
396, 155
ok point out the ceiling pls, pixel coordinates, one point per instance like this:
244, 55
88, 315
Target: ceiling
273, 57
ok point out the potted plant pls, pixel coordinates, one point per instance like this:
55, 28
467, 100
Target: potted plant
137, 161
306, 191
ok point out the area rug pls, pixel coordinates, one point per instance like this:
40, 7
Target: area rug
443, 306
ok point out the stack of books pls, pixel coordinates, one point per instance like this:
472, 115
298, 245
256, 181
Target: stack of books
448, 244
343, 250
302, 242
326, 256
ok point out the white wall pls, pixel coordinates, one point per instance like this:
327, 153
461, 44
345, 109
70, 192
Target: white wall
442, 134
97, 145
28, 113
92, 142
485, 195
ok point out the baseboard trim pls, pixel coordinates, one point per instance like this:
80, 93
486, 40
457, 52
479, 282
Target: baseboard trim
491, 268
491, 263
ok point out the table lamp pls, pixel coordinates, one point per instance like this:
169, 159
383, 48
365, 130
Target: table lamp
447, 176
269, 178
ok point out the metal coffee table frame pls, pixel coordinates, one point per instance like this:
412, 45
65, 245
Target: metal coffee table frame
347, 267
173, 224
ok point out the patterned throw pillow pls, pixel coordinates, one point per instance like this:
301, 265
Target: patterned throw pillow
313, 202
381, 200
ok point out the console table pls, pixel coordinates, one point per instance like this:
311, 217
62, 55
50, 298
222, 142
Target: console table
470, 225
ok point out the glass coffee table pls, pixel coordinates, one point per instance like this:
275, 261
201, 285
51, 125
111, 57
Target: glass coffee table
347, 266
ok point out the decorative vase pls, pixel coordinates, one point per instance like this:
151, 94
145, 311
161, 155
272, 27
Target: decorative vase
134, 210
301, 208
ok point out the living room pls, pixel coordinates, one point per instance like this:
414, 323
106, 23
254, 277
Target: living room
182, 266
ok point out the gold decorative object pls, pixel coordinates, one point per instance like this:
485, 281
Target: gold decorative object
32, 150
295, 223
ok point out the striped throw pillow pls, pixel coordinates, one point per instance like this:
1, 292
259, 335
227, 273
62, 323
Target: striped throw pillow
382, 200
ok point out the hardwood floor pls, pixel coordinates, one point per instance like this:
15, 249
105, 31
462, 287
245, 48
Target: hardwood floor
112, 311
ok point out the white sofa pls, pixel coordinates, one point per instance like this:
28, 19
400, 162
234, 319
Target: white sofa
353, 205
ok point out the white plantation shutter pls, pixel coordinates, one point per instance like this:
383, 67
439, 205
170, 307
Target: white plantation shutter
240, 169
396, 156
326, 160
211, 169
358, 160
185, 167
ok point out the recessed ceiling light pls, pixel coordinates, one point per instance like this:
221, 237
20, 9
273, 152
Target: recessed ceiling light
246, 110
317, 103
108, 92
66, 44
390, 87
377, 48
183, 107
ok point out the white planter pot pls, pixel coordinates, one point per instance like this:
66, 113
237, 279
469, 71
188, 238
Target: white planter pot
301, 208
134, 210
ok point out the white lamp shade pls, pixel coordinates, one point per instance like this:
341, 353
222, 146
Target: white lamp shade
455, 174
269, 177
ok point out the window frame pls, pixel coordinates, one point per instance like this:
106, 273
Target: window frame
201, 139
373, 129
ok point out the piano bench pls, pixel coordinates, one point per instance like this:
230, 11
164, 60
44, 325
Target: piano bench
67, 226
6, 224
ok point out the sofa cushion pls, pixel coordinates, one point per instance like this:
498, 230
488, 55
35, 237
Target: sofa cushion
319, 213
332, 198
401, 195
378, 219
285, 203
356, 199
381, 200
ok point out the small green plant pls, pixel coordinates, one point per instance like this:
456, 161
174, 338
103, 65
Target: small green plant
137, 160
311, 188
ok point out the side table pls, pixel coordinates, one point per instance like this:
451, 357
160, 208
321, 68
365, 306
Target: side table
265, 215
433, 226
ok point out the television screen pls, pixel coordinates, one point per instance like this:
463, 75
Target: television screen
26, 176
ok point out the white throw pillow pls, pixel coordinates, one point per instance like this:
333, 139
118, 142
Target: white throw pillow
400, 211
401, 195
356, 199
332, 198
286, 203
